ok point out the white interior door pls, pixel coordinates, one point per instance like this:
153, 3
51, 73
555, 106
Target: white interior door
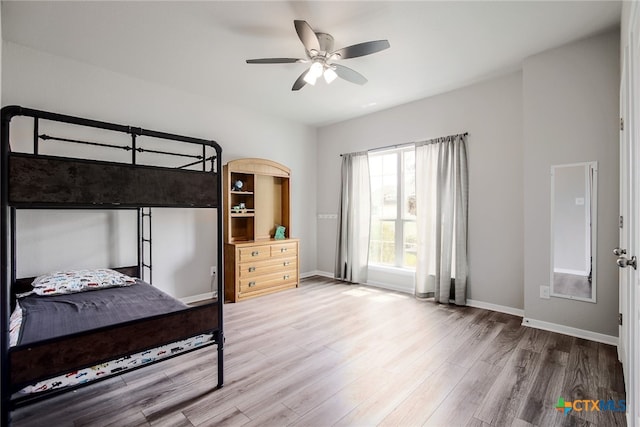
624, 279
629, 338
633, 389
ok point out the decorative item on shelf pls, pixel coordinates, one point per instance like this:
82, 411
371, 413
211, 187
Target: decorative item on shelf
237, 186
243, 207
279, 234
236, 209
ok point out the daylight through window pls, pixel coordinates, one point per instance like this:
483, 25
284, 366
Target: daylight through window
393, 237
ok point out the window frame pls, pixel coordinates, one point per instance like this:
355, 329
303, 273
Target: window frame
400, 219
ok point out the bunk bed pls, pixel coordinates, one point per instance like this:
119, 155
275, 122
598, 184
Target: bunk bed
33, 180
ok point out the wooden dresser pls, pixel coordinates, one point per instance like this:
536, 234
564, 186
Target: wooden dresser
256, 202
260, 267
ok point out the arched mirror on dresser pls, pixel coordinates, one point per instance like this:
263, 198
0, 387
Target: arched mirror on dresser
573, 230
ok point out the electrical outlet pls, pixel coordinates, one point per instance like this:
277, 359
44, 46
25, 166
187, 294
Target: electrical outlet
214, 270
544, 292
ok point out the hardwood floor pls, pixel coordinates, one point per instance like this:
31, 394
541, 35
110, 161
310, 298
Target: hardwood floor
333, 354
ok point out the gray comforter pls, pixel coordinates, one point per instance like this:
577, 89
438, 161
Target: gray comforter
54, 316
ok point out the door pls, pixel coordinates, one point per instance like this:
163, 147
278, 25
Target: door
633, 233
629, 338
624, 273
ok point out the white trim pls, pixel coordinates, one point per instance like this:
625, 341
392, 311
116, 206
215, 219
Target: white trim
369, 283
197, 298
401, 271
316, 273
568, 330
495, 307
390, 287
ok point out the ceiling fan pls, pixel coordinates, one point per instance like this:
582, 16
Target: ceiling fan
319, 52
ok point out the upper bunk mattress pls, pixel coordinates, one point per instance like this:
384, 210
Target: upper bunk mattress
46, 317
39, 180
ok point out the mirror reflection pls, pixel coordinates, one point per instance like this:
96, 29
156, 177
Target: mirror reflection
573, 230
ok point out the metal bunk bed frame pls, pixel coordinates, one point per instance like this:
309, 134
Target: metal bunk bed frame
9, 281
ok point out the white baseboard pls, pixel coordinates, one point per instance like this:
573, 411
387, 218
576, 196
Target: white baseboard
389, 287
568, 330
495, 307
197, 298
369, 283
316, 273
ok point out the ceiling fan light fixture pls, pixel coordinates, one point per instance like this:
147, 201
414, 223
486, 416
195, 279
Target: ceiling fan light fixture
314, 72
316, 69
329, 75
310, 78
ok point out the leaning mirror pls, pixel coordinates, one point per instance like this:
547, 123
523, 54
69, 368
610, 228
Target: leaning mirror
573, 230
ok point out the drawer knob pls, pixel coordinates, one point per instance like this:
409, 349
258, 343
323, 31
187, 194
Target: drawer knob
255, 253
252, 269
286, 276
252, 284
283, 249
286, 263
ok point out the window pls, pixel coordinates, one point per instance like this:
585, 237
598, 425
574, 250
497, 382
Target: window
393, 237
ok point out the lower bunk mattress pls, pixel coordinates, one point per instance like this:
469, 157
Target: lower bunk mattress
117, 366
38, 318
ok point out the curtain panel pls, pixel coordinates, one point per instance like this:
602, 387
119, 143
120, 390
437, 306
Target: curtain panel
442, 190
352, 252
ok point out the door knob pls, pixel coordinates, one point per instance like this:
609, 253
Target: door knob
624, 262
618, 251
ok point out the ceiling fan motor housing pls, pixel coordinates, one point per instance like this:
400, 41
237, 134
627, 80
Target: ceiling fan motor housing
326, 42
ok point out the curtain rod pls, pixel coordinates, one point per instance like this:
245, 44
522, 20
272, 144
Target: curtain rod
390, 147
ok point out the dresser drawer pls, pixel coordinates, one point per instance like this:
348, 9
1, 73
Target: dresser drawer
253, 284
259, 267
254, 253
284, 249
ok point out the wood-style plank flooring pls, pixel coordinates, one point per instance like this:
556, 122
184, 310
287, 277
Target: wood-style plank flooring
333, 354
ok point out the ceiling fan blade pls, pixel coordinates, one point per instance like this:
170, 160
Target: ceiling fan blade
307, 35
274, 61
362, 49
300, 82
349, 75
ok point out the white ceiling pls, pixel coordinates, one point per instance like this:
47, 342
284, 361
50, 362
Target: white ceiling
201, 47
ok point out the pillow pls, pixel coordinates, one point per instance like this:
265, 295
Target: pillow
15, 322
68, 282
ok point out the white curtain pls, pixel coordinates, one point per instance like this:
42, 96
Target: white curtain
441, 219
352, 252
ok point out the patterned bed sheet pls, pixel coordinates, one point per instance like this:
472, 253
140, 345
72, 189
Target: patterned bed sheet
117, 366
